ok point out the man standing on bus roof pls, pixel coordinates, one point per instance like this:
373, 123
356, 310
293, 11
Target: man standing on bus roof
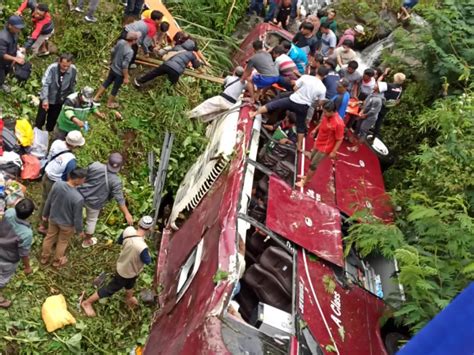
330, 135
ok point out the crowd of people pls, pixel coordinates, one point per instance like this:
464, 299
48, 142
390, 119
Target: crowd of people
317, 76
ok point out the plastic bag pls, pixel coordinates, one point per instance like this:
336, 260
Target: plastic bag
40, 143
55, 314
24, 132
31, 167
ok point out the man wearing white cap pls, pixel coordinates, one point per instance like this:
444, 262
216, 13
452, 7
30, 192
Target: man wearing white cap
133, 257
61, 161
76, 109
233, 88
102, 184
351, 34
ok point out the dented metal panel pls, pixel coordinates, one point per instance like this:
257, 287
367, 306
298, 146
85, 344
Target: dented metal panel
359, 182
303, 220
344, 320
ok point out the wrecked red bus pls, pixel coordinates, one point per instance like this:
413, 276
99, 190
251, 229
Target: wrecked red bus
291, 290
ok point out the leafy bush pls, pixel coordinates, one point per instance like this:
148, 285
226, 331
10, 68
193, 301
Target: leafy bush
433, 238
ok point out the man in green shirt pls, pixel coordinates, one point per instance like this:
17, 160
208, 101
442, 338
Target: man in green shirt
330, 21
74, 113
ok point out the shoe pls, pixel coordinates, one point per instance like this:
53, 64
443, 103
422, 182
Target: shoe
132, 66
113, 105
5, 88
136, 83
90, 19
78, 9
43, 54
89, 243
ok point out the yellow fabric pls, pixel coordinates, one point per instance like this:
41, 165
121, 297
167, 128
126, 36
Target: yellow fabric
147, 14
55, 314
24, 132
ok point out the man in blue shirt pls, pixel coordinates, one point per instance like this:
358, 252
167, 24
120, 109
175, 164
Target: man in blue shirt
298, 55
341, 100
16, 238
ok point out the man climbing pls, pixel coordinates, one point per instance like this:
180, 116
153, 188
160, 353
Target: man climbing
59, 81
370, 112
392, 93
175, 61
43, 30
267, 71
309, 91
330, 136
133, 257
122, 55
63, 211
60, 162
101, 185
233, 88
75, 111
16, 238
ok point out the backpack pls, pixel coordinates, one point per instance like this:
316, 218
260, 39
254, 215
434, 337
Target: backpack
22, 72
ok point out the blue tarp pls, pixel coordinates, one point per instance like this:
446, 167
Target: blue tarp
450, 332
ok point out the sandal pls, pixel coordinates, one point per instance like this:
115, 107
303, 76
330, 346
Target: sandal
89, 242
44, 260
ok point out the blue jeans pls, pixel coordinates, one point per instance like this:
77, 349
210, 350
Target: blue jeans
293, 8
255, 6
271, 11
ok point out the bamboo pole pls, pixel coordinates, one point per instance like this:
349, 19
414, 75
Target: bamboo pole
156, 63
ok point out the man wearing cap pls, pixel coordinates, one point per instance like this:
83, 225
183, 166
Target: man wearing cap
122, 55
9, 48
351, 34
133, 257
233, 88
76, 109
102, 184
61, 161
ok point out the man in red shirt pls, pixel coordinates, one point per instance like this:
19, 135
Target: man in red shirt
330, 135
43, 30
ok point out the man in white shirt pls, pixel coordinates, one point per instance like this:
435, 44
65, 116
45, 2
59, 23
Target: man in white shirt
328, 40
309, 91
61, 161
345, 54
233, 88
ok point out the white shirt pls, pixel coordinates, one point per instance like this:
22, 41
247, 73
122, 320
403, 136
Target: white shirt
309, 90
55, 168
328, 41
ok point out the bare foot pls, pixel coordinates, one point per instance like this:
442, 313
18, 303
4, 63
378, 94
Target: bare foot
131, 302
300, 183
88, 309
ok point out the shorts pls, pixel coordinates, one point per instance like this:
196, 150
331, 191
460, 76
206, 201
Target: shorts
299, 109
117, 283
316, 158
261, 81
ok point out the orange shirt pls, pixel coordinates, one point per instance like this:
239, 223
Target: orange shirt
330, 131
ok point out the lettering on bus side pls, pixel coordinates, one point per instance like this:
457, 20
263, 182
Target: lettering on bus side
336, 309
301, 296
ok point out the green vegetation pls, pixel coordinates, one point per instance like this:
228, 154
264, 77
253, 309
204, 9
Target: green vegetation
146, 115
432, 180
